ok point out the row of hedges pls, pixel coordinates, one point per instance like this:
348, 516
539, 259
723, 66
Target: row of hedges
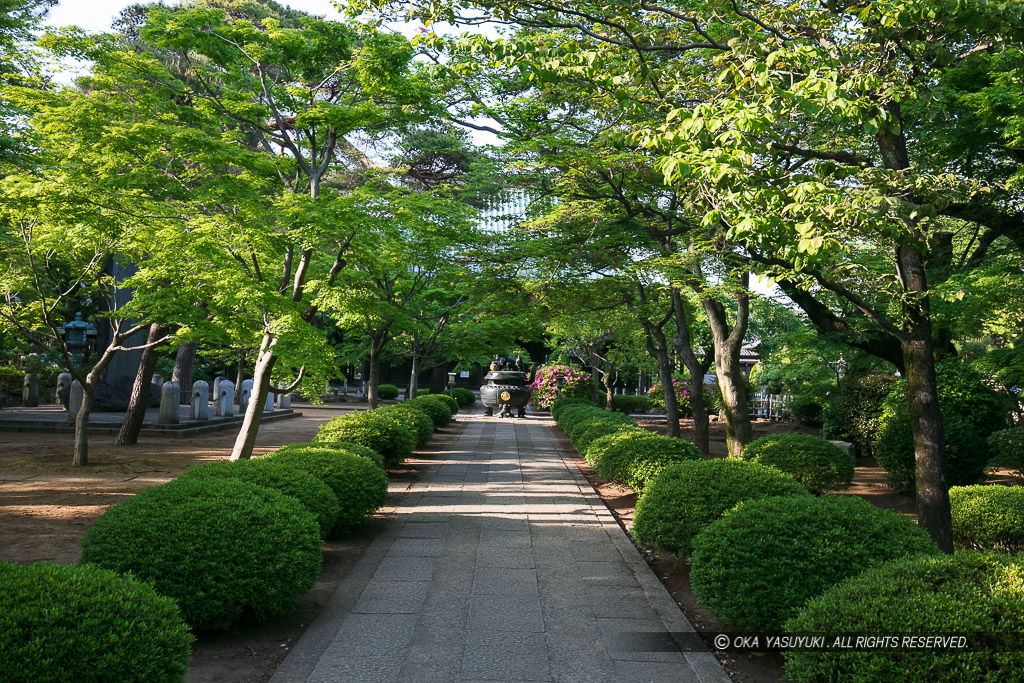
765, 555
616, 446
225, 541
393, 431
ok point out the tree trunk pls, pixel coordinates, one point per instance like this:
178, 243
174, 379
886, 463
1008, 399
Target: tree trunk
139, 400
81, 455
610, 378
684, 348
184, 367
246, 439
414, 375
239, 376
374, 377
728, 343
659, 352
919, 359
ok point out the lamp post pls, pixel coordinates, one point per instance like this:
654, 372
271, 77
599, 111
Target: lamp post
451, 384
559, 381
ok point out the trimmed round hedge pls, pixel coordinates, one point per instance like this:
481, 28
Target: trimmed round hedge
623, 403
980, 594
637, 457
816, 463
988, 517
562, 404
308, 489
758, 564
84, 623
222, 548
574, 427
382, 431
971, 411
387, 392
360, 485
685, 498
438, 411
452, 403
464, 396
595, 430
415, 419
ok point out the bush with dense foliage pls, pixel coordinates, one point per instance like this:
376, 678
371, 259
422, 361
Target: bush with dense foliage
559, 406
360, 485
450, 401
578, 421
758, 564
438, 410
636, 457
1007, 446
575, 384
685, 498
988, 517
597, 429
977, 594
656, 396
304, 487
816, 463
415, 420
631, 404
222, 548
464, 396
387, 392
971, 411
856, 408
384, 432
84, 623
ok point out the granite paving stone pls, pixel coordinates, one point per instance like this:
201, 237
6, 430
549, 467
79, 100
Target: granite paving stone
499, 563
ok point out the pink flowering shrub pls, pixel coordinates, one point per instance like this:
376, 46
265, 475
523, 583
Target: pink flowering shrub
575, 384
682, 388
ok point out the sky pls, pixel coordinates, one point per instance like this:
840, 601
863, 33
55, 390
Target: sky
96, 15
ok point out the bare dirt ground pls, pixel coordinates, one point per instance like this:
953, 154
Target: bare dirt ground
47, 506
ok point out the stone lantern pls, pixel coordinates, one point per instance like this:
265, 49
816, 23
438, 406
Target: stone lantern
75, 333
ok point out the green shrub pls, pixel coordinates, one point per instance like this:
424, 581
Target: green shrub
575, 384
453, 405
384, 432
414, 419
84, 623
813, 461
595, 451
575, 427
464, 396
437, 410
1008, 448
314, 494
987, 517
856, 408
972, 593
631, 404
564, 403
758, 564
387, 392
685, 498
599, 428
222, 548
360, 485
971, 411
637, 456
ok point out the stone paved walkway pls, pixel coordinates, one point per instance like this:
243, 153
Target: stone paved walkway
502, 564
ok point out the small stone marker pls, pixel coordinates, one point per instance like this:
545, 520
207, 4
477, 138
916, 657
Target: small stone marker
30, 391
75, 397
224, 398
200, 401
170, 399
63, 388
243, 396
284, 401
268, 405
216, 387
